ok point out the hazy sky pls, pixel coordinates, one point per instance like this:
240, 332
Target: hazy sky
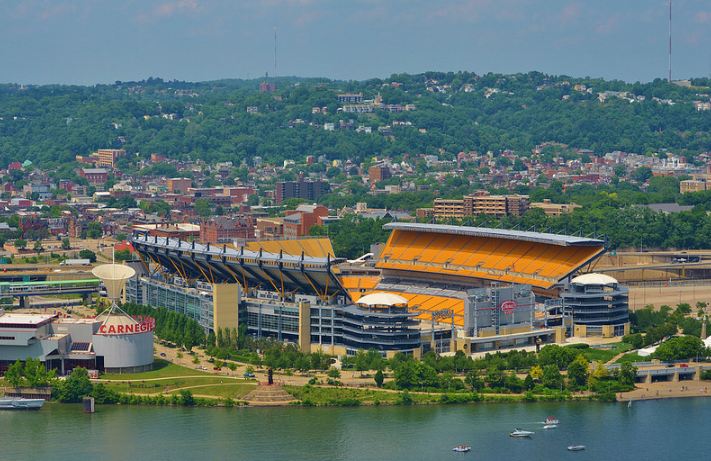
91, 41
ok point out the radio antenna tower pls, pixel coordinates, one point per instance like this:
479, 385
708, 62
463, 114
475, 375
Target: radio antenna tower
670, 41
275, 52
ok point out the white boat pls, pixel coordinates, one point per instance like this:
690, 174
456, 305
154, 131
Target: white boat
551, 420
550, 426
576, 448
20, 403
462, 448
521, 433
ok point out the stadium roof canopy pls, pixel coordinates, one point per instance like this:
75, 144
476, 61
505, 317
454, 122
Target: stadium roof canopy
462, 254
538, 237
278, 271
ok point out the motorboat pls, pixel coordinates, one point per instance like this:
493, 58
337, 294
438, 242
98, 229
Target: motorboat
551, 420
576, 448
520, 433
462, 448
550, 426
20, 403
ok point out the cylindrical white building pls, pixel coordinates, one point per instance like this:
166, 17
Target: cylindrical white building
124, 344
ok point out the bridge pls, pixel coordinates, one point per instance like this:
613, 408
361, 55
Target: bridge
22, 290
649, 372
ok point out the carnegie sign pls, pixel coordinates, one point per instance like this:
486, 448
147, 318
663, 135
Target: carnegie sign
145, 324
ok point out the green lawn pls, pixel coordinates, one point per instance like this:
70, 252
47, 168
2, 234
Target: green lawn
161, 369
632, 357
604, 355
165, 385
234, 391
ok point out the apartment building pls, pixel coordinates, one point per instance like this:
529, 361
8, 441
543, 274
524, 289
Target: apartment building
108, 157
305, 189
692, 185
555, 209
445, 208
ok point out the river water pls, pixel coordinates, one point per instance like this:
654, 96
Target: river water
653, 430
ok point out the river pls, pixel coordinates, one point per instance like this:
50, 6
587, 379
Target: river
652, 430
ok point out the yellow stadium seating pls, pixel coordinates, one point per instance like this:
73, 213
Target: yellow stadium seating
505, 259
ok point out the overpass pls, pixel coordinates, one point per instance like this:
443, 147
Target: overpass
22, 290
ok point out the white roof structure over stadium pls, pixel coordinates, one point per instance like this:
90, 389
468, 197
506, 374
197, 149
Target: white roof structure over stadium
594, 279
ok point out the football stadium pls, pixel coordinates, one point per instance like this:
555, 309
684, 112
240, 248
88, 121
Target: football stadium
432, 287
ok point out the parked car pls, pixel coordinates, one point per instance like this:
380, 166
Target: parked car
162, 354
248, 374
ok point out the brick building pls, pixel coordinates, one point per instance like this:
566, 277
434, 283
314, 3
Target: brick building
378, 173
299, 222
222, 229
178, 185
95, 176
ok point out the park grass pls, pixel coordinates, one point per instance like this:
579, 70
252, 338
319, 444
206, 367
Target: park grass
161, 369
632, 357
165, 385
235, 391
604, 355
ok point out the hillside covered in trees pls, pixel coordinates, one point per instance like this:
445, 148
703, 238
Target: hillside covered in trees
454, 112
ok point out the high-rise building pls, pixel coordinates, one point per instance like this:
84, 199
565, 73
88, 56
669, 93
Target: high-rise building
304, 189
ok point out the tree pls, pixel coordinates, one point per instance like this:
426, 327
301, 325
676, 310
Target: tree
66, 243
536, 372
75, 386
36, 373
379, 378
406, 375
203, 207
552, 378
680, 348
20, 244
186, 398
578, 372
94, 230
528, 382
37, 247
14, 373
87, 254
474, 381
334, 373
122, 255
628, 374
642, 174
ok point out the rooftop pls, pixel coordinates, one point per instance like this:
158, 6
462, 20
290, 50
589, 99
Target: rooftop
538, 237
25, 319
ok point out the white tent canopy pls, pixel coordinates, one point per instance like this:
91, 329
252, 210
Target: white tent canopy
382, 299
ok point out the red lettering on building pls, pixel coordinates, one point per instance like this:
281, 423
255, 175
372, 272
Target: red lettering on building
144, 325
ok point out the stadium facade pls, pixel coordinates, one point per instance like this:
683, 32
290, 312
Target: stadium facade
466, 288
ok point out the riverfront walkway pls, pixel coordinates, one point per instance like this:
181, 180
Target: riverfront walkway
667, 390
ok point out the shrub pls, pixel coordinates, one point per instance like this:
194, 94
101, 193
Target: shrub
405, 398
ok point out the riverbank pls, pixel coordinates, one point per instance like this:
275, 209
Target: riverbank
667, 390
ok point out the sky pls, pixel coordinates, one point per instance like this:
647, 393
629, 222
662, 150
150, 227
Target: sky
98, 41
